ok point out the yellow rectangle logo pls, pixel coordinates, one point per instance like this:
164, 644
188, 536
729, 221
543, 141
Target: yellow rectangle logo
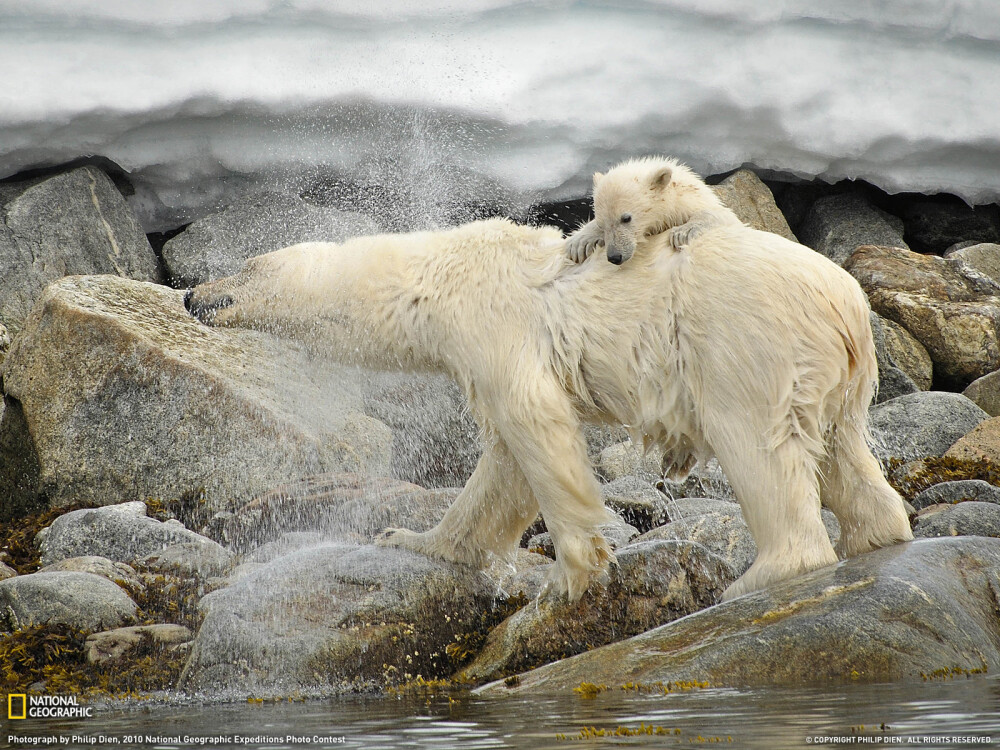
17, 706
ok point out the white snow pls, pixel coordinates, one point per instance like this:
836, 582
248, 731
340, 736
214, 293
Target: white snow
461, 99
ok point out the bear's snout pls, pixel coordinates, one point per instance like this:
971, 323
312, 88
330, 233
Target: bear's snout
205, 310
615, 258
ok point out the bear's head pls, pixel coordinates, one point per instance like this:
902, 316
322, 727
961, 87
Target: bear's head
640, 198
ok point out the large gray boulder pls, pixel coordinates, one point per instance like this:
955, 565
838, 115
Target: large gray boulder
73, 223
970, 518
162, 405
894, 614
217, 245
836, 225
922, 424
120, 533
335, 617
81, 600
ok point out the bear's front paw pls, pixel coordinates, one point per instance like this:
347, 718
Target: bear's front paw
582, 243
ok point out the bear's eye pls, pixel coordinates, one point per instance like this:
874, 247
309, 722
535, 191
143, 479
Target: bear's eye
626, 218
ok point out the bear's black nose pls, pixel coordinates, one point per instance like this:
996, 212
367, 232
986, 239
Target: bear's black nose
205, 309
616, 259
187, 299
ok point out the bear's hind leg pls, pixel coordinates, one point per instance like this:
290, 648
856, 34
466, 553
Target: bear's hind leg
487, 518
778, 490
871, 513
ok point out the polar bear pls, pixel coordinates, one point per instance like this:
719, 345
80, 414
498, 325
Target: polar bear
740, 344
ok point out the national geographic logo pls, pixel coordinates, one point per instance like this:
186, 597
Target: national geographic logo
23, 706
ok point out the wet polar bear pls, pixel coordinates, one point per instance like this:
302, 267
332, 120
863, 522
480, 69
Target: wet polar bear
741, 344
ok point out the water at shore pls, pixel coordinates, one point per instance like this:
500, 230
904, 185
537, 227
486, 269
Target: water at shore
957, 712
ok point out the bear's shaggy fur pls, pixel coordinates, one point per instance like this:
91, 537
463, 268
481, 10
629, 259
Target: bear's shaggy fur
741, 344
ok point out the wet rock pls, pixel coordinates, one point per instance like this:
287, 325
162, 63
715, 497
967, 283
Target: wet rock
6, 572
955, 316
723, 532
122, 533
922, 424
985, 392
335, 617
893, 381
190, 559
163, 406
964, 519
637, 501
652, 583
983, 441
114, 645
435, 440
73, 223
217, 245
837, 225
285, 544
81, 600
706, 480
528, 577
4, 347
348, 507
752, 201
893, 614
625, 459
957, 492
908, 354
983, 257
116, 572
687, 507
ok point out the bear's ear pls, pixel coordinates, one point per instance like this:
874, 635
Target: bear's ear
661, 178
598, 176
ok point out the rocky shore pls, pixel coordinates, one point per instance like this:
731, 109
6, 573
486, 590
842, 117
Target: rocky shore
187, 508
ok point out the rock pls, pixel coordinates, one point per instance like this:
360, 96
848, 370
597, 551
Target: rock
688, 507
73, 223
4, 347
983, 441
953, 315
892, 380
957, 492
285, 544
116, 572
964, 519
652, 583
217, 245
922, 424
983, 257
162, 406
19, 467
933, 223
81, 600
529, 576
837, 225
435, 440
113, 645
722, 532
985, 392
348, 507
752, 201
706, 480
121, 533
190, 560
894, 614
335, 617
624, 459
908, 354
6, 572
637, 501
